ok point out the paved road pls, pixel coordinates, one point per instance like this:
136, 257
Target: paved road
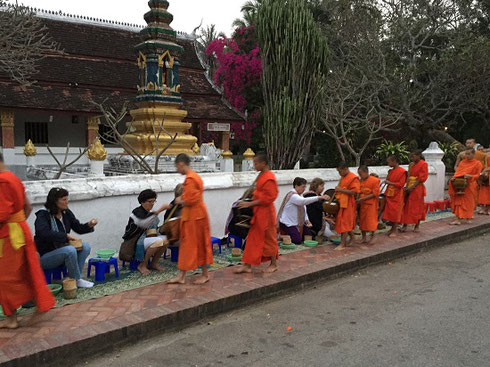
431, 309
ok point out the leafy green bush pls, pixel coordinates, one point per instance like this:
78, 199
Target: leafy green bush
387, 148
451, 151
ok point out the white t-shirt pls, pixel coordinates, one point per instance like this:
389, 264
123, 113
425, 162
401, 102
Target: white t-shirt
289, 215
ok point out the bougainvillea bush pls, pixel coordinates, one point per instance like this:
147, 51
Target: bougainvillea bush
238, 73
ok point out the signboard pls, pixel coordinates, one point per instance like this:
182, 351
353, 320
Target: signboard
215, 126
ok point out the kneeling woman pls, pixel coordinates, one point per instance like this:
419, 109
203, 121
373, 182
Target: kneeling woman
53, 226
143, 223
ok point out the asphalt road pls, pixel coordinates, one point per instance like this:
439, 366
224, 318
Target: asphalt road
431, 309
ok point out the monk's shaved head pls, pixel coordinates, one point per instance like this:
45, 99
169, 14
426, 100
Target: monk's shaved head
364, 168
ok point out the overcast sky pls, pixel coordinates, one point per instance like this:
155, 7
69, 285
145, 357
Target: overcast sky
187, 13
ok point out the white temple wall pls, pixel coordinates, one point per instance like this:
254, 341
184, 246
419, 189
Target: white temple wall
111, 199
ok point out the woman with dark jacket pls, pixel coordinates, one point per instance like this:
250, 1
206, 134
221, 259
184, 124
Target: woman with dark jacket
320, 226
53, 228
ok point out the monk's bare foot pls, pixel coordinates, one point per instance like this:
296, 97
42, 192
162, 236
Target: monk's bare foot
468, 221
416, 229
340, 248
370, 242
242, 269
10, 322
391, 234
143, 269
403, 229
349, 241
363, 247
156, 267
271, 269
201, 279
455, 223
177, 280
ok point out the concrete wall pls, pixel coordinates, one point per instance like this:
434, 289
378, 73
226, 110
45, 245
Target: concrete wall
111, 199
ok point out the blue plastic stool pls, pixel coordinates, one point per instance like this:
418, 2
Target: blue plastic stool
133, 264
216, 241
55, 274
102, 267
238, 240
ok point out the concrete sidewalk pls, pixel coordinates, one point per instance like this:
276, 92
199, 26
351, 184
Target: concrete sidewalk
97, 325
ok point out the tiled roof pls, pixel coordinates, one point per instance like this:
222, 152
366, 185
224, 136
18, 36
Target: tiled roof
100, 62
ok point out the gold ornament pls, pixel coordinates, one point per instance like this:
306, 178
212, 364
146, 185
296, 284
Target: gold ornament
249, 155
97, 152
30, 149
227, 154
195, 149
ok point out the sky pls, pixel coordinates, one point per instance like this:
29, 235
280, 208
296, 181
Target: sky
187, 13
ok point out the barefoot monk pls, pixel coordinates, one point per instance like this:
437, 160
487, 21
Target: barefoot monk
414, 209
463, 199
484, 193
195, 236
346, 192
369, 202
261, 242
21, 277
396, 180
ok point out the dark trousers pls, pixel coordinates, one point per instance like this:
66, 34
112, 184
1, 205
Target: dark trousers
293, 232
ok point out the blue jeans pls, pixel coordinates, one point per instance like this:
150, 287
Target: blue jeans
68, 256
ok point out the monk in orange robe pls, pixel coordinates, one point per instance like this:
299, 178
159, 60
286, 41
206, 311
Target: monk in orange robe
395, 182
415, 192
346, 192
463, 203
261, 242
368, 200
21, 277
479, 156
484, 194
195, 235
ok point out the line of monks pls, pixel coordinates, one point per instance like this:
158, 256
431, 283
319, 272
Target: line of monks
22, 280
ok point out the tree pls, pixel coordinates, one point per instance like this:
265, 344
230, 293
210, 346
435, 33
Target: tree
355, 106
23, 42
428, 46
249, 11
204, 39
295, 63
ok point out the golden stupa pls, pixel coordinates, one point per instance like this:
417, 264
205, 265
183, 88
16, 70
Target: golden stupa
159, 115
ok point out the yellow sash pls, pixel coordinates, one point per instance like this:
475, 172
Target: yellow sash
390, 191
16, 234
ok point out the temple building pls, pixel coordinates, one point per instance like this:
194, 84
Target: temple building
103, 61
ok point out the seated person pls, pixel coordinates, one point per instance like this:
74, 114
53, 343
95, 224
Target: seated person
320, 226
140, 221
52, 235
293, 219
178, 191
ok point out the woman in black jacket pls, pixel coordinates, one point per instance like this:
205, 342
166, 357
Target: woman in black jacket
53, 226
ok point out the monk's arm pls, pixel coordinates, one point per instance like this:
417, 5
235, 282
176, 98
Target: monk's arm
266, 196
458, 161
367, 197
192, 194
27, 208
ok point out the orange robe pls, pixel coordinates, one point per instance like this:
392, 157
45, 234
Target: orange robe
346, 217
464, 205
484, 193
368, 212
414, 210
21, 277
195, 235
395, 195
261, 242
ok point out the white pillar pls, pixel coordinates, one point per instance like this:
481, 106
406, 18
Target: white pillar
435, 185
227, 165
247, 165
31, 161
96, 168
